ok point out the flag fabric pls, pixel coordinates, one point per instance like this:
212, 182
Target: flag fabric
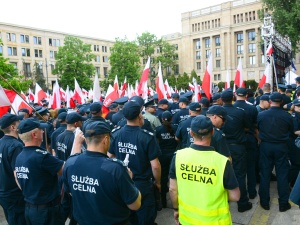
96, 90
144, 77
160, 89
265, 77
191, 86
239, 77
207, 79
293, 66
167, 89
56, 100
111, 96
116, 85
78, 95
227, 82
124, 88
62, 94
270, 49
4, 102
16, 102
85, 92
69, 99
30, 95
197, 93
39, 94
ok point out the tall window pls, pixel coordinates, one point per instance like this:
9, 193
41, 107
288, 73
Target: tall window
104, 48
12, 51
26, 52
218, 63
176, 46
1, 50
218, 52
198, 64
24, 38
37, 40
96, 48
105, 69
207, 53
176, 69
198, 44
98, 71
198, 55
252, 60
239, 37
11, 37
218, 41
105, 59
252, 48
97, 58
38, 53
251, 36
207, 43
26, 69
240, 49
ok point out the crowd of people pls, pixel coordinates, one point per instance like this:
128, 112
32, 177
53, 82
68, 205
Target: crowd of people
118, 168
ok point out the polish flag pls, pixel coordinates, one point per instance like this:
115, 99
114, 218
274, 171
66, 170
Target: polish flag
96, 90
62, 94
15, 100
30, 95
207, 79
111, 96
239, 77
197, 91
192, 88
69, 99
172, 90
78, 95
151, 91
227, 82
167, 89
90, 96
144, 77
4, 102
136, 90
39, 94
124, 88
270, 49
160, 89
265, 77
116, 85
56, 101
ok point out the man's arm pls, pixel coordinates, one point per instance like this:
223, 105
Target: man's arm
136, 204
173, 190
111, 155
17, 180
234, 194
156, 171
59, 173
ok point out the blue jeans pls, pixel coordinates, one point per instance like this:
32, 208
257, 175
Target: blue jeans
44, 216
14, 209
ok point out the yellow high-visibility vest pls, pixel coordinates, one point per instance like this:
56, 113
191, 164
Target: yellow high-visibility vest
202, 197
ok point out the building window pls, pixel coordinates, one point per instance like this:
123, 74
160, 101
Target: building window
38, 53
51, 54
218, 63
234, 19
198, 55
253, 15
207, 53
176, 57
37, 40
176, 46
198, 64
96, 48
198, 44
54, 42
168, 69
52, 66
218, 52
207, 43
242, 16
252, 60
251, 36
240, 49
97, 59
218, 41
239, 37
157, 51
105, 59
26, 52
57, 42
262, 58
11, 37
176, 69
98, 71
12, 51
24, 38
104, 48
26, 69
217, 76
252, 48
105, 69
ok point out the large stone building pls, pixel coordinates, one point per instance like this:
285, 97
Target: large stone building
27, 47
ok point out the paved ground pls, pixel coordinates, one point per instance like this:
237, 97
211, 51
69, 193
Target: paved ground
256, 216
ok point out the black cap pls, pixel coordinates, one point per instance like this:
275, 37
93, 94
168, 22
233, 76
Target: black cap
163, 101
289, 91
195, 106
95, 107
138, 99
43, 111
241, 92
131, 110
216, 96
201, 125
166, 115
289, 86
121, 101
61, 110
38, 107
7, 119
204, 101
183, 99
97, 128
155, 96
276, 97
227, 94
24, 110
30, 124
218, 110
74, 117
113, 106
264, 98
62, 117
150, 103
188, 94
175, 95
297, 79
282, 87
260, 91
296, 102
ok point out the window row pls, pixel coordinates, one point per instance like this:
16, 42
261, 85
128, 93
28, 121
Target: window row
206, 25
207, 42
244, 17
240, 36
105, 71
104, 59
27, 68
208, 52
36, 40
251, 48
97, 48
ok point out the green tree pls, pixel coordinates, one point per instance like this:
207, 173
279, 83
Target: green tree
172, 80
38, 77
167, 55
194, 75
74, 60
147, 43
286, 17
10, 77
182, 82
125, 61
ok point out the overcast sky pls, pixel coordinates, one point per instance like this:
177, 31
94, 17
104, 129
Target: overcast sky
106, 19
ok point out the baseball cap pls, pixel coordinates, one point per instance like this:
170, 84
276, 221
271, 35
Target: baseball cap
95, 107
131, 110
61, 110
121, 101
204, 101
227, 94
175, 95
62, 117
276, 97
43, 111
138, 99
241, 92
289, 91
195, 106
183, 99
150, 103
296, 102
282, 87
264, 98
74, 117
24, 110
188, 94
201, 125
30, 124
163, 101
218, 110
8, 119
216, 96
297, 79
166, 115
97, 128
113, 106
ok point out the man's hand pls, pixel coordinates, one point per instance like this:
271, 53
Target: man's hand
176, 217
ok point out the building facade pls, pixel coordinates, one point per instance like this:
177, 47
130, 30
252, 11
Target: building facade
30, 48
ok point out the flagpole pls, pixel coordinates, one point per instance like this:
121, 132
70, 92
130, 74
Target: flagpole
272, 57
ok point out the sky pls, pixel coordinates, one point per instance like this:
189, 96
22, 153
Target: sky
105, 19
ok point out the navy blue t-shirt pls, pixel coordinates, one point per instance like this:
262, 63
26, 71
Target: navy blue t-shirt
10, 148
101, 189
64, 144
218, 141
183, 132
117, 117
174, 108
147, 125
36, 171
159, 113
166, 140
142, 147
57, 132
109, 116
47, 134
180, 115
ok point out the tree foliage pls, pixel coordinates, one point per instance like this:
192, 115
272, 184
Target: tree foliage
74, 60
182, 82
125, 61
194, 75
286, 17
38, 77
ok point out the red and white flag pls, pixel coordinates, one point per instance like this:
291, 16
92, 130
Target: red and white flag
191, 86
16, 101
160, 89
39, 94
30, 95
145, 92
207, 79
96, 90
4, 102
265, 77
78, 95
239, 77
270, 49
69, 99
197, 91
227, 82
167, 89
111, 96
56, 100
144, 77
116, 84
124, 88
62, 94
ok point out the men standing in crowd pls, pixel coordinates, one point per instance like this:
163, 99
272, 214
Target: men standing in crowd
150, 109
236, 139
297, 79
61, 119
119, 115
24, 112
189, 190
183, 113
266, 89
37, 171
162, 106
264, 103
216, 99
113, 108
275, 126
43, 117
174, 107
143, 151
285, 98
109, 193
11, 198
251, 143
204, 105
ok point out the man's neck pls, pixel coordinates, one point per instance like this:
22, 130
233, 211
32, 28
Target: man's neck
203, 143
